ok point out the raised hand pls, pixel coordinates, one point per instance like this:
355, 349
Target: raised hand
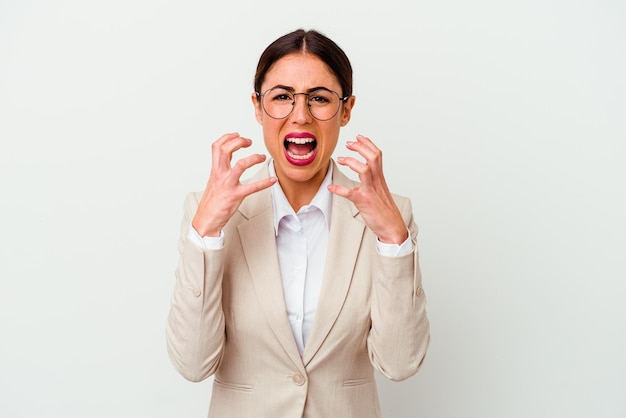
224, 191
372, 197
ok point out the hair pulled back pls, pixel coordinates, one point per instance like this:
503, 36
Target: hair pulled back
310, 42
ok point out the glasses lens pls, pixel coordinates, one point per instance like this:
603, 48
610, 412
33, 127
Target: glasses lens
323, 104
278, 103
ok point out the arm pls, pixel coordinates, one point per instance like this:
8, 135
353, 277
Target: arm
400, 332
195, 326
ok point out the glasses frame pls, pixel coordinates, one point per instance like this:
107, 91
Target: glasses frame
308, 105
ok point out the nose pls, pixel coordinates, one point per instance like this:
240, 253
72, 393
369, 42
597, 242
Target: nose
301, 113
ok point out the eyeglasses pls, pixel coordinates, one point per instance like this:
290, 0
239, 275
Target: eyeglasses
279, 102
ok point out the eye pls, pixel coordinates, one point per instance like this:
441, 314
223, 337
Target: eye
319, 99
283, 97
280, 96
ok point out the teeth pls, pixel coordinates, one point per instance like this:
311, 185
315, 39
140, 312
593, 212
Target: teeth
300, 141
300, 157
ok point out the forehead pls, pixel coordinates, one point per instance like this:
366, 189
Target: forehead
301, 71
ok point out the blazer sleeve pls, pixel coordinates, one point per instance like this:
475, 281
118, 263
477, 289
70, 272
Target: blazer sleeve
400, 332
195, 331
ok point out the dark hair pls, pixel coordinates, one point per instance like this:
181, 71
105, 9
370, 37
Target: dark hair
311, 42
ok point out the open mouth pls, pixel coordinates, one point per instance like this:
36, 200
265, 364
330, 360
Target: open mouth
300, 151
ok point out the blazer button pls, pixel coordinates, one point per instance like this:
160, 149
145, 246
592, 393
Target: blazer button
196, 292
298, 379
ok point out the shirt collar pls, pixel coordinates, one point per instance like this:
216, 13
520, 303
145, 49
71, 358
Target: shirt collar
322, 199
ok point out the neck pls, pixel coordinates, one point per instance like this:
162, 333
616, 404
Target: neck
300, 194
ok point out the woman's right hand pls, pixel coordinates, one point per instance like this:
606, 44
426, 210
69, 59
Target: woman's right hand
224, 191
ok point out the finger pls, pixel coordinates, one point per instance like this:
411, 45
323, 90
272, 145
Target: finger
223, 149
234, 144
367, 149
219, 143
341, 191
373, 158
257, 186
366, 141
245, 163
363, 145
362, 169
353, 163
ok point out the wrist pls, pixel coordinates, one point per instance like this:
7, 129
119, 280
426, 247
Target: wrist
396, 238
206, 230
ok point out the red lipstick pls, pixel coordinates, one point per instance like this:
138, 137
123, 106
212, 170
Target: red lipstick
300, 148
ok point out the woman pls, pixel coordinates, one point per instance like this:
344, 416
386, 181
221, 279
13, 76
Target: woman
293, 286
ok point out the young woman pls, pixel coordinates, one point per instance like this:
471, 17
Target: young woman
293, 286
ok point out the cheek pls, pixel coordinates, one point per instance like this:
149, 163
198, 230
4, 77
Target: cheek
332, 135
271, 137
270, 129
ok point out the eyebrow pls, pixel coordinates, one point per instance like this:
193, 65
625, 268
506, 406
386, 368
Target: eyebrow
292, 90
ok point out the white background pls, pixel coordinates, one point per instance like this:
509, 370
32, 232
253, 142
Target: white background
503, 121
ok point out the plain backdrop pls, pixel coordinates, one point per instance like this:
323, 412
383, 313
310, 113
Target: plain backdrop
502, 120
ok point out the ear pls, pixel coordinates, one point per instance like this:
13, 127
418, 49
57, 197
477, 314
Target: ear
258, 112
346, 110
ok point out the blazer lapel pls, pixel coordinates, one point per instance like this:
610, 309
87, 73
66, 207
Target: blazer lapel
258, 240
344, 241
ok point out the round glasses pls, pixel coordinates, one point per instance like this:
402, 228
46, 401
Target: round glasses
323, 104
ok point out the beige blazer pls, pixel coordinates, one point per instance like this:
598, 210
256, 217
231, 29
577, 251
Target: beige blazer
228, 317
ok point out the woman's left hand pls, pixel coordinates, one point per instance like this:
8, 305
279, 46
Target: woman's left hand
372, 197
